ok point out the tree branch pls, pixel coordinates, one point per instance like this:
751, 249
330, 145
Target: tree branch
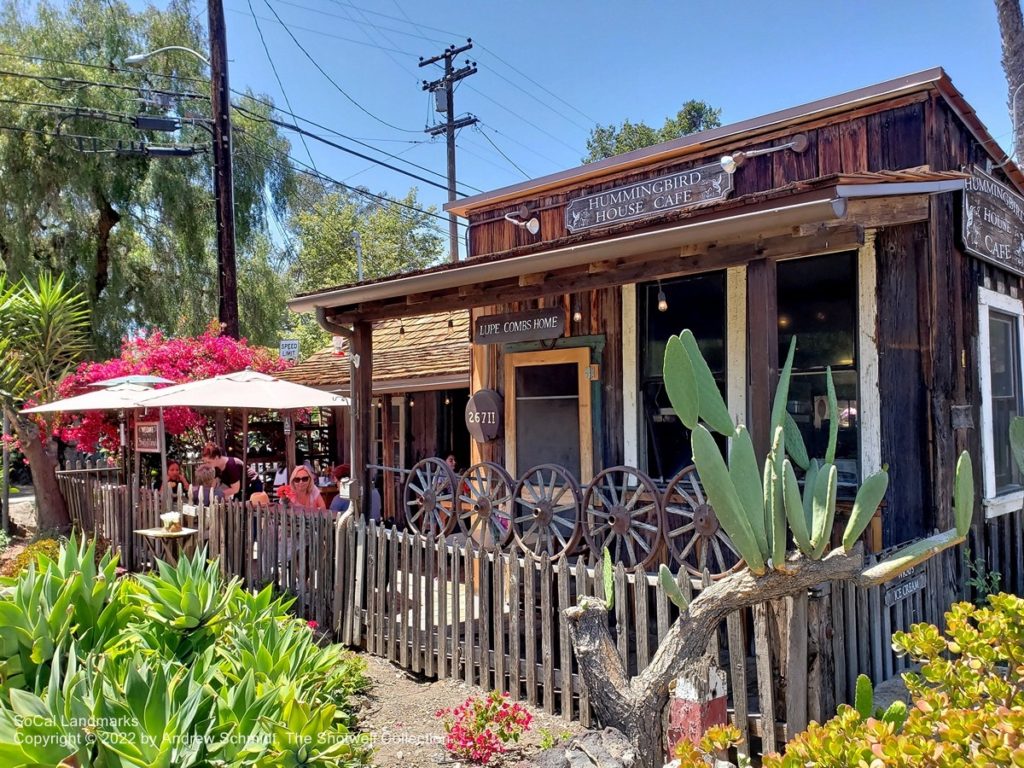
688, 636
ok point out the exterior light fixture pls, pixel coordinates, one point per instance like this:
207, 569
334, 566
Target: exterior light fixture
662, 301
447, 399
401, 328
451, 323
532, 225
577, 316
412, 402
731, 162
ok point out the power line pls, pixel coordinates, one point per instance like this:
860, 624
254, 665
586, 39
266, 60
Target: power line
355, 21
305, 169
335, 145
330, 79
111, 67
242, 12
98, 84
303, 132
531, 149
520, 117
498, 150
543, 88
277, 77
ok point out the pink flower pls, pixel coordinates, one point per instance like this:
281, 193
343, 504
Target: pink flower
312, 624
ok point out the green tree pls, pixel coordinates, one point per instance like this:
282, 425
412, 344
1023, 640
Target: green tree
394, 239
45, 327
610, 140
264, 287
136, 232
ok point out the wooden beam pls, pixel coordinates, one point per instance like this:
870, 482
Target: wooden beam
536, 278
417, 298
599, 267
663, 264
361, 413
876, 212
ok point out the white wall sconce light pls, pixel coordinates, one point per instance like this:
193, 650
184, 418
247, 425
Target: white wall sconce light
530, 224
731, 162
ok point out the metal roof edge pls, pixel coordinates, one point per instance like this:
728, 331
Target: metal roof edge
816, 206
690, 143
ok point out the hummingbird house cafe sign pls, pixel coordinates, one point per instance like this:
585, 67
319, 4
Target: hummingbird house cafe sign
649, 197
993, 222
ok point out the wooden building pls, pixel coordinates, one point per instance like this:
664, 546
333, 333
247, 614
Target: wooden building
844, 221
419, 393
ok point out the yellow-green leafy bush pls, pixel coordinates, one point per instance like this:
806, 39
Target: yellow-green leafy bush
47, 547
966, 711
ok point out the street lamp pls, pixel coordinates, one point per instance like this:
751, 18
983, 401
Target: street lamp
138, 59
223, 177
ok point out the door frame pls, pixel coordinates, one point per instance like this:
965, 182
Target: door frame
581, 357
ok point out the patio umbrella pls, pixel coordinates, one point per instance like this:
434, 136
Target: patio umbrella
135, 378
248, 390
244, 389
119, 397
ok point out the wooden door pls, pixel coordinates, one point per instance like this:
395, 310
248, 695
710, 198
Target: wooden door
548, 411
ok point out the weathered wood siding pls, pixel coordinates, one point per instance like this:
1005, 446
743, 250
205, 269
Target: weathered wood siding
601, 312
881, 137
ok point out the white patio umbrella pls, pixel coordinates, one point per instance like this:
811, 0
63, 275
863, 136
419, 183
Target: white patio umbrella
120, 397
123, 397
244, 389
248, 390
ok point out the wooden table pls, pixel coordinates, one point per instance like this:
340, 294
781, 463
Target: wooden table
165, 545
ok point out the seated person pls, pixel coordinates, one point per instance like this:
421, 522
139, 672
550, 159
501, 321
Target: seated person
227, 468
175, 477
205, 490
253, 482
304, 490
281, 475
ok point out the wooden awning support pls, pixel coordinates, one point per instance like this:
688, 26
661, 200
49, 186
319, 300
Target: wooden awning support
362, 404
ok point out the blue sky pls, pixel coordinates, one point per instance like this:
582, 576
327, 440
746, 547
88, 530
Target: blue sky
548, 70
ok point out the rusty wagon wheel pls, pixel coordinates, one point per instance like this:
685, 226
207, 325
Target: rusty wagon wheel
430, 498
545, 511
485, 504
695, 539
620, 512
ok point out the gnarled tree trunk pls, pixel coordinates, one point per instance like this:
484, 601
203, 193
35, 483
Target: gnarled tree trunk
51, 511
635, 706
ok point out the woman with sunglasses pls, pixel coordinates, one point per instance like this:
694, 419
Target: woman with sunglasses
306, 494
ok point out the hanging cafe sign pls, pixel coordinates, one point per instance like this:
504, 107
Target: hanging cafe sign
649, 197
993, 222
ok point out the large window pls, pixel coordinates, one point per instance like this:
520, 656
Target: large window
1000, 334
697, 302
817, 301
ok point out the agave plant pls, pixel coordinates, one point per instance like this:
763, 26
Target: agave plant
311, 736
53, 603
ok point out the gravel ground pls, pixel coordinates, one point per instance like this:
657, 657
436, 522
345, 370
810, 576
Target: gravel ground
399, 713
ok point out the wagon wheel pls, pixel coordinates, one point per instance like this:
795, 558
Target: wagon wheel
620, 512
545, 511
429, 498
695, 538
485, 504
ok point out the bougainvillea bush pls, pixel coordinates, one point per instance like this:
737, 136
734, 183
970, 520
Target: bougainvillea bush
480, 727
966, 710
153, 353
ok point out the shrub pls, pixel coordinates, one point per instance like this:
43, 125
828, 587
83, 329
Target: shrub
171, 668
47, 547
967, 702
479, 728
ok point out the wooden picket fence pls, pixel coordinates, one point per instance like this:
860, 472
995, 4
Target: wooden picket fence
445, 609
495, 619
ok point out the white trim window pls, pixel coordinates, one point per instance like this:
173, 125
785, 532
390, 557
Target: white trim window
1000, 352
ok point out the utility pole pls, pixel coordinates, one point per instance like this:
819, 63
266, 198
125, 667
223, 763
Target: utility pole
443, 88
223, 177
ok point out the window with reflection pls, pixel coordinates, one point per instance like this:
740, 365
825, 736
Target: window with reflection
1004, 393
817, 301
697, 302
